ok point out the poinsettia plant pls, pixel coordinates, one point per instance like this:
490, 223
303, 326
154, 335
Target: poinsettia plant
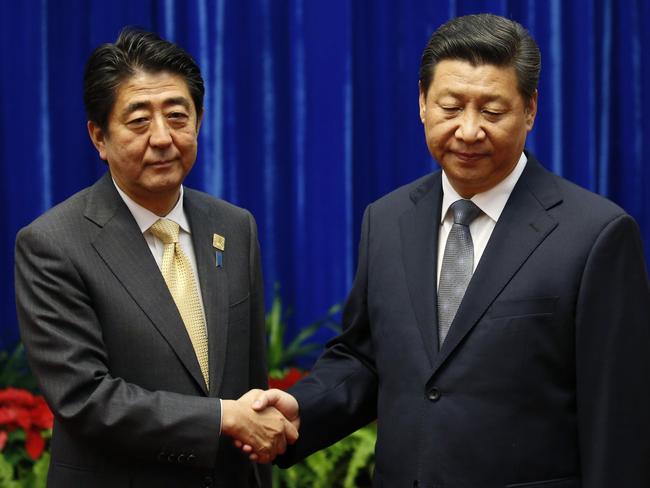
25, 427
24, 417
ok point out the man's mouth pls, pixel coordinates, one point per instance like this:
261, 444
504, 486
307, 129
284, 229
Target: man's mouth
468, 156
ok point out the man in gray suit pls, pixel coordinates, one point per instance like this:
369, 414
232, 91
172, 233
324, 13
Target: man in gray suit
140, 301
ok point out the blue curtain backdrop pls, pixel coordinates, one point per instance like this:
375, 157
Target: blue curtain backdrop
311, 113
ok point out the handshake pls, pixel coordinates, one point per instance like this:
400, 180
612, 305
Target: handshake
261, 423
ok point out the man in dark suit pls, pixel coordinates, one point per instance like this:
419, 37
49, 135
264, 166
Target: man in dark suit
140, 301
498, 327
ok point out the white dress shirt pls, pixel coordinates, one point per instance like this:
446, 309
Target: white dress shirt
491, 202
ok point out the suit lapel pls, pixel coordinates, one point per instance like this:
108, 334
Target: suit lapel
523, 225
419, 236
213, 281
125, 251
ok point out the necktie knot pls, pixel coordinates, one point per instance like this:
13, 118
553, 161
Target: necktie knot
166, 230
465, 211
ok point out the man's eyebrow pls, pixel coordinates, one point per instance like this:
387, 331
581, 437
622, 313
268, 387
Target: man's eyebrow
132, 107
177, 101
168, 102
485, 98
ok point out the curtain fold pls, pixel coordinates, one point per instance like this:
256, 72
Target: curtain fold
311, 113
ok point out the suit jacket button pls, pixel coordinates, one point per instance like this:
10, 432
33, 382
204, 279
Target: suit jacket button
181, 458
207, 481
162, 457
191, 458
434, 394
171, 458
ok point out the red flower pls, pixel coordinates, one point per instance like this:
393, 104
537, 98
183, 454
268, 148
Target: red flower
19, 409
15, 417
14, 396
34, 444
41, 414
288, 380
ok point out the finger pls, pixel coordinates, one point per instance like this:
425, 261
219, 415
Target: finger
281, 446
262, 458
261, 402
271, 397
238, 444
246, 448
253, 457
290, 432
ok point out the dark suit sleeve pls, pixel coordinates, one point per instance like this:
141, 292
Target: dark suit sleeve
258, 364
258, 371
63, 339
340, 394
613, 361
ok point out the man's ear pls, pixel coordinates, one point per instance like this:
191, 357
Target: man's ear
422, 101
199, 120
531, 111
98, 137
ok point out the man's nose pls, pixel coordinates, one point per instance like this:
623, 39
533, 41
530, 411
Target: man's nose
160, 133
469, 127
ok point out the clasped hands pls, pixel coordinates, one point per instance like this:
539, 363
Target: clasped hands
262, 423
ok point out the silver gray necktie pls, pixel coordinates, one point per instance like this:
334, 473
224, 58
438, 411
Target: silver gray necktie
457, 265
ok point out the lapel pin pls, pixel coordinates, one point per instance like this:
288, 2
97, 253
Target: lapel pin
219, 242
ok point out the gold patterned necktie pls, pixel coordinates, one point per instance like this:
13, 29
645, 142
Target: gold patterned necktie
177, 271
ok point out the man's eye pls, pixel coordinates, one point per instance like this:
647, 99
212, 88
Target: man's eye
177, 115
492, 113
138, 123
450, 109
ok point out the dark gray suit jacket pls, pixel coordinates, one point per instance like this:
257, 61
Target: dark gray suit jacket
112, 356
544, 378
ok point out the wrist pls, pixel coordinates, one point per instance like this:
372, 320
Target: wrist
228, 416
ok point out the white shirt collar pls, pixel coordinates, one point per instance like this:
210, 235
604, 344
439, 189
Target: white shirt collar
145, 218
491, 202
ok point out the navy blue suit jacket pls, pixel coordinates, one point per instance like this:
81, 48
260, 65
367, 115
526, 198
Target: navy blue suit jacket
544, 378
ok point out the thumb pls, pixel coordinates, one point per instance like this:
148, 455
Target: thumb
263, 401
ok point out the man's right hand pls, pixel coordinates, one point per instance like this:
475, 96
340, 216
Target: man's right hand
263, 430
277, 399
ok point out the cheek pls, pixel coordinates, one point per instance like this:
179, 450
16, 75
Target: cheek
439, 134
186, 141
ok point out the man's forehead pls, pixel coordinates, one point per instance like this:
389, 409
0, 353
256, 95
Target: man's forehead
466, 64
460, 75
149, 85
144, 89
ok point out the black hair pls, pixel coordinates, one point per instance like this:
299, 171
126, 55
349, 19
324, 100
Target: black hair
134, 50
484, 39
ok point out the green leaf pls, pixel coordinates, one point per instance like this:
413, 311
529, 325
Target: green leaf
40, 469
17, 435
344, 464
275, 331
362, 454
7, 474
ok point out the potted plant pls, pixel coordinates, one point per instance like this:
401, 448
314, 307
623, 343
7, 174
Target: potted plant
348, 463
